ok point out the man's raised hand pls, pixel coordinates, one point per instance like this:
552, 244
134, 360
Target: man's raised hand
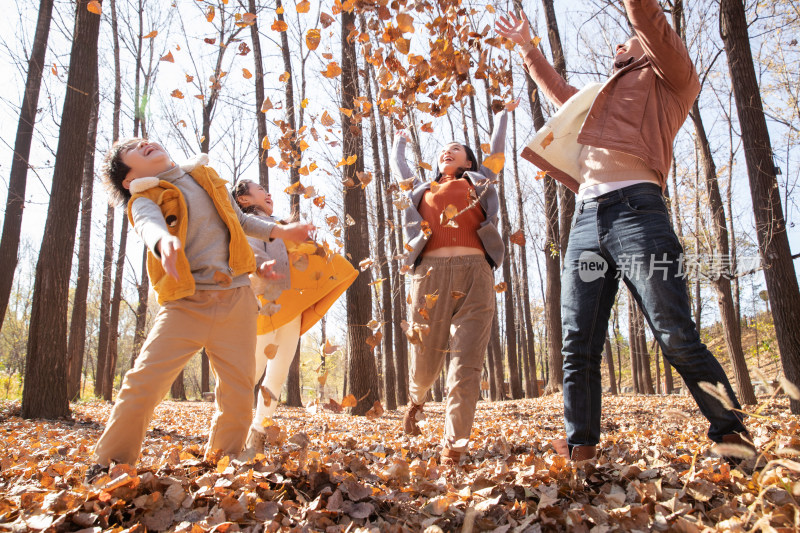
168, 248
514, 29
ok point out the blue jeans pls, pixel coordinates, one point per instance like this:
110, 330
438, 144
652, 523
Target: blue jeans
627, 234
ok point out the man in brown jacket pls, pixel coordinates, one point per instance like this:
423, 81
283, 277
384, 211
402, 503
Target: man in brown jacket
621, 227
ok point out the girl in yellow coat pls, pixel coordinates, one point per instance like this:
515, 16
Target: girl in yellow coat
308, 279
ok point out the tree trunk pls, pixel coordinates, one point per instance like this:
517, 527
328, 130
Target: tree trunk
633, 345
113, 330
385, 308
294, 394
773, 243
514, 379
362, 375
496, 355
552, 299
610, 363
77, 326
668, 384
105, 303
143, 290
17, 181
205, 374
45, 390
730, 321
523, 253
178, 390
261, 119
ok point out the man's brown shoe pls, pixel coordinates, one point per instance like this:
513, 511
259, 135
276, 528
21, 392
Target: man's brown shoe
410, 426
578, 453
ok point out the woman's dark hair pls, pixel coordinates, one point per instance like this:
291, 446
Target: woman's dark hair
470, 157
242, 188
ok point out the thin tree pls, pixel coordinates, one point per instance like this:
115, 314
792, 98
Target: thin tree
44, 392
261, 119
773, 242
610, 363
385, 307
76, 344
15, 203
361, 373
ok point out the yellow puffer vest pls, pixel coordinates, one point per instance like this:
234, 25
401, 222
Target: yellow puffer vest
318, 277
173, 206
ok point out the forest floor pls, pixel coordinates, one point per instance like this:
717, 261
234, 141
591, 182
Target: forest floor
335, 472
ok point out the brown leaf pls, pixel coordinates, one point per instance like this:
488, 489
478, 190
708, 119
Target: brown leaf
168, 58
375, 411
270, 351
349, 401
518, 238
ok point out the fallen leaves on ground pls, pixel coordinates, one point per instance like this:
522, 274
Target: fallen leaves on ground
336, 472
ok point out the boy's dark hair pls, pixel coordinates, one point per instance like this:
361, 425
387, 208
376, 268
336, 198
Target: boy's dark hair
470, 157
242, 188
115, 171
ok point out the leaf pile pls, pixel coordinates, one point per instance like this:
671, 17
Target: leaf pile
326, 471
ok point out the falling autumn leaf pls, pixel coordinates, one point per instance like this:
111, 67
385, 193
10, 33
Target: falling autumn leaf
210, 13
279, 25
150, 35
270, 351
303, 6
94, 7
168, 58
326, 20
246, 73
547, 140
495, 162
518, 238
500, 287
349, 401
405, 23
332, 70
312, 39
176, 94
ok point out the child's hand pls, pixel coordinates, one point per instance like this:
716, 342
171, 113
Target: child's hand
168, 248
266, 272
404, 134
295, 231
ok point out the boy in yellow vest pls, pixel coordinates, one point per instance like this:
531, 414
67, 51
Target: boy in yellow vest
198, 263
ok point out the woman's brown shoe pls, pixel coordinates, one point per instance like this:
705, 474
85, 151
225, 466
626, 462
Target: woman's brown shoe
410, 426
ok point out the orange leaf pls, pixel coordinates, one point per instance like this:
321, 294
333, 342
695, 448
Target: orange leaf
405, 23
266, 105
176, 94
189, 79
94, 7
547, 140
349, 401
283, 78
54, 70
495, 162
265, 143
427, 128
168, 58
210, 13
312, 39
518, 238
541, 174
150, 35
246, 73
303, 7
270, 351
319, 201
376, 411
333, 70
500, 287
327, 120
279, 25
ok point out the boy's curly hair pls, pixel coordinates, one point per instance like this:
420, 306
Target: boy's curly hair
114, 170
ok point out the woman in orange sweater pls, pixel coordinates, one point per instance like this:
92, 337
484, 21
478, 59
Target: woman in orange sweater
451, 231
